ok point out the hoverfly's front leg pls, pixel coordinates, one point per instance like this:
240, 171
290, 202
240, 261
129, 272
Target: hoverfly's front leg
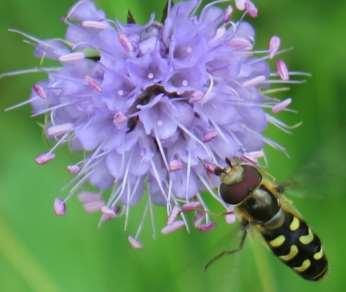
231, 251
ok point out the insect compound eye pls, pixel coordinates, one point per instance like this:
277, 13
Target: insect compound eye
235, 193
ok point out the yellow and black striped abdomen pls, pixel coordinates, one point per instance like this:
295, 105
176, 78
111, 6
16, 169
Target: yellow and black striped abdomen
298, 247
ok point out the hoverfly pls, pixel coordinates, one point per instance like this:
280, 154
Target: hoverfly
259, 202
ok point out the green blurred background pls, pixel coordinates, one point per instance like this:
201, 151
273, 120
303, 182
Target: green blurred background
40, 252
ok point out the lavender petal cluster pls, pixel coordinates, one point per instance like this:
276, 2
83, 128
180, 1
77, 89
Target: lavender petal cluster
153, 107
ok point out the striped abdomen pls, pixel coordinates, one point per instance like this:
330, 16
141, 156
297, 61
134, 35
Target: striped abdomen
298, 247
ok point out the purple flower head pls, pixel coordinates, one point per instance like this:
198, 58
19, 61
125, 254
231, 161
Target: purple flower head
155, 106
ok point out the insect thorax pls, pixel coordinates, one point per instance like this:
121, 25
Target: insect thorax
261, 207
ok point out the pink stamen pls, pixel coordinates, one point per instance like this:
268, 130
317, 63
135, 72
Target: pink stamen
254, 81
108, 211
210, 167
175, 165
173, 215
253, 156
209, 136
94, 24
205, 227
93, 207
251, 8
228, 14
196, 96
191, 206
279, 107
135, 243
44, 158
89, 197
73, 169
59, 130
72, 57
125, 42
93, 83
39, 90
119, 118
274, 46
239, 43
170, 228
59, 207
240, 4
282, 70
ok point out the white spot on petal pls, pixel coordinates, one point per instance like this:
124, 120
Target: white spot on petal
188, 50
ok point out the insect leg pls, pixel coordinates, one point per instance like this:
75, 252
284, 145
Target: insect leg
228, 252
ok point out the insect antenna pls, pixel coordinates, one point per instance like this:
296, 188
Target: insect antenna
229, 162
